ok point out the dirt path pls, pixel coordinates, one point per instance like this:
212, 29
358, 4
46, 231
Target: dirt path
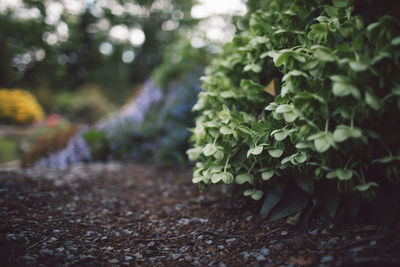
142, 215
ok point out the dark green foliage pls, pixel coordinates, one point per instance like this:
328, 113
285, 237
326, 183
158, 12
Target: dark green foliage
332, 125
99, 144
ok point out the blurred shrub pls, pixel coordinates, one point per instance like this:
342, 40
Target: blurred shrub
8, 150
48, 144
98, 143
87, 105
18, 106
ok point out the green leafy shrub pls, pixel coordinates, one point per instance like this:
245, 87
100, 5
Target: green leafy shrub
98, 143
87, 105
303, 107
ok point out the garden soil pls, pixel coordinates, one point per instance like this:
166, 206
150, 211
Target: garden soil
144, 215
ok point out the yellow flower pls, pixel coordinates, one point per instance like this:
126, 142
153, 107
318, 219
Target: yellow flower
19, 106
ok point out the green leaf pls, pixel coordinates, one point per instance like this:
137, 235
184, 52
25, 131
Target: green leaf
255, 194
226, 130
344, 89
243, 178
344, 174
266, 175
272, 106
284, 108
365, 187
293, 200
275, 152
341, 3
228, 178
218, 155
331, 202
255, 151
396, 41
319, 32
331, 175
372, 101
322, 141
194, 153
216, 177
209, 149
358, 66
280, 134
344, 132
324, 55
300, 157
273, 198
305, 183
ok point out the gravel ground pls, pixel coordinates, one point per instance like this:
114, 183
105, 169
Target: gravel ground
142, 215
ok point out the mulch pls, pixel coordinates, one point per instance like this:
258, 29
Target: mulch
145, 215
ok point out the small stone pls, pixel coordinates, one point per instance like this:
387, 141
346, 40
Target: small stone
264, 251
372, 243
246, 255
313, 232
260, 258
220, 246
230, 240
176, 256
113, 261
248, 218
356, 249
209, 242
326, 259
29, 258
211, 263
284, 233
46, 251
60, 249
128, 258
138, 256
151, 244
109, 248
188, 258
200, 237
324, 231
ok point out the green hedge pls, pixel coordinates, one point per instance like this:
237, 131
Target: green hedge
303, 107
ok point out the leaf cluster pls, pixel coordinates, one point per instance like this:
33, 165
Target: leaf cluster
303, 107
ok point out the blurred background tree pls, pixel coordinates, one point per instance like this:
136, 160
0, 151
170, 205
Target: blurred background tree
54, 46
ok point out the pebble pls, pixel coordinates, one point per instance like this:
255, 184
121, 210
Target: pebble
138, 256
230, 240
246, 255
188, 258
209, 242
372, 243
326, 259
128, 258
29, 258
113, 261
284, 233
260, 258
46, 251
313, 232
176, 256
264, 251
